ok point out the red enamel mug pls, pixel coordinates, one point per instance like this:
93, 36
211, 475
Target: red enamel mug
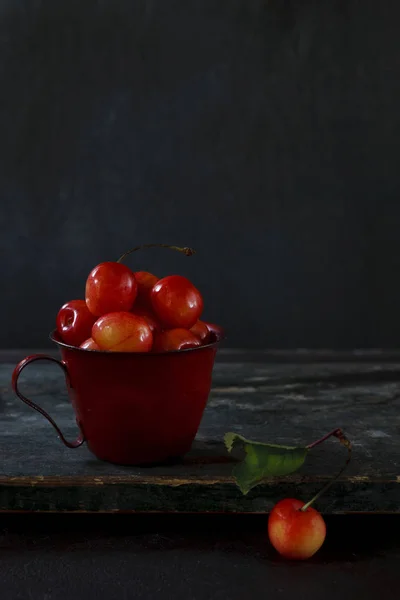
133, 408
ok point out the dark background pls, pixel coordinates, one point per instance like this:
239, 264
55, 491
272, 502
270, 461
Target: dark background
265, 133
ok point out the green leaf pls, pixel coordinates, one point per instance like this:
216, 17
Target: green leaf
263, 460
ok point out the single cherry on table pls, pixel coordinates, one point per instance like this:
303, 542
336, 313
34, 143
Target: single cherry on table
296, 529
295, 533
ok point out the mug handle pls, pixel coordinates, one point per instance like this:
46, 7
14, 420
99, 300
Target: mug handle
17, 372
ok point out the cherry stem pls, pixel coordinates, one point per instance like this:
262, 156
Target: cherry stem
187, 251
328, 435
343, 440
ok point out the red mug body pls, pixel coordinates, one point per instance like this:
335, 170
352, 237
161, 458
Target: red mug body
135, 408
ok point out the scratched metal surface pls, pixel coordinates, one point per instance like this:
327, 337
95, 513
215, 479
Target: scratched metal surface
283, 403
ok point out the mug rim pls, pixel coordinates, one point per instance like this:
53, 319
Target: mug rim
53, 337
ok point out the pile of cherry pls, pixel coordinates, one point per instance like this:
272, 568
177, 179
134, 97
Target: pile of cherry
126, 311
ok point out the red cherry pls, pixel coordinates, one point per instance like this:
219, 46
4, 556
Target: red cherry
150, 317
201, 330
110, 287
175, 339
145, 281
122, 332
90, 344
74, 322
216, 332
176, 302
296, 534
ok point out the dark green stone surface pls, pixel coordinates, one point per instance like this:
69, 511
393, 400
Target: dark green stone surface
285, 402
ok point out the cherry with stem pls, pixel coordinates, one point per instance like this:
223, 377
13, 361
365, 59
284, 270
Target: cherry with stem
175, 301
296, 529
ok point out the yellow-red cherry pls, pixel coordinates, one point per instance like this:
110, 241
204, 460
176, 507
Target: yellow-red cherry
294, 533
122, 332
